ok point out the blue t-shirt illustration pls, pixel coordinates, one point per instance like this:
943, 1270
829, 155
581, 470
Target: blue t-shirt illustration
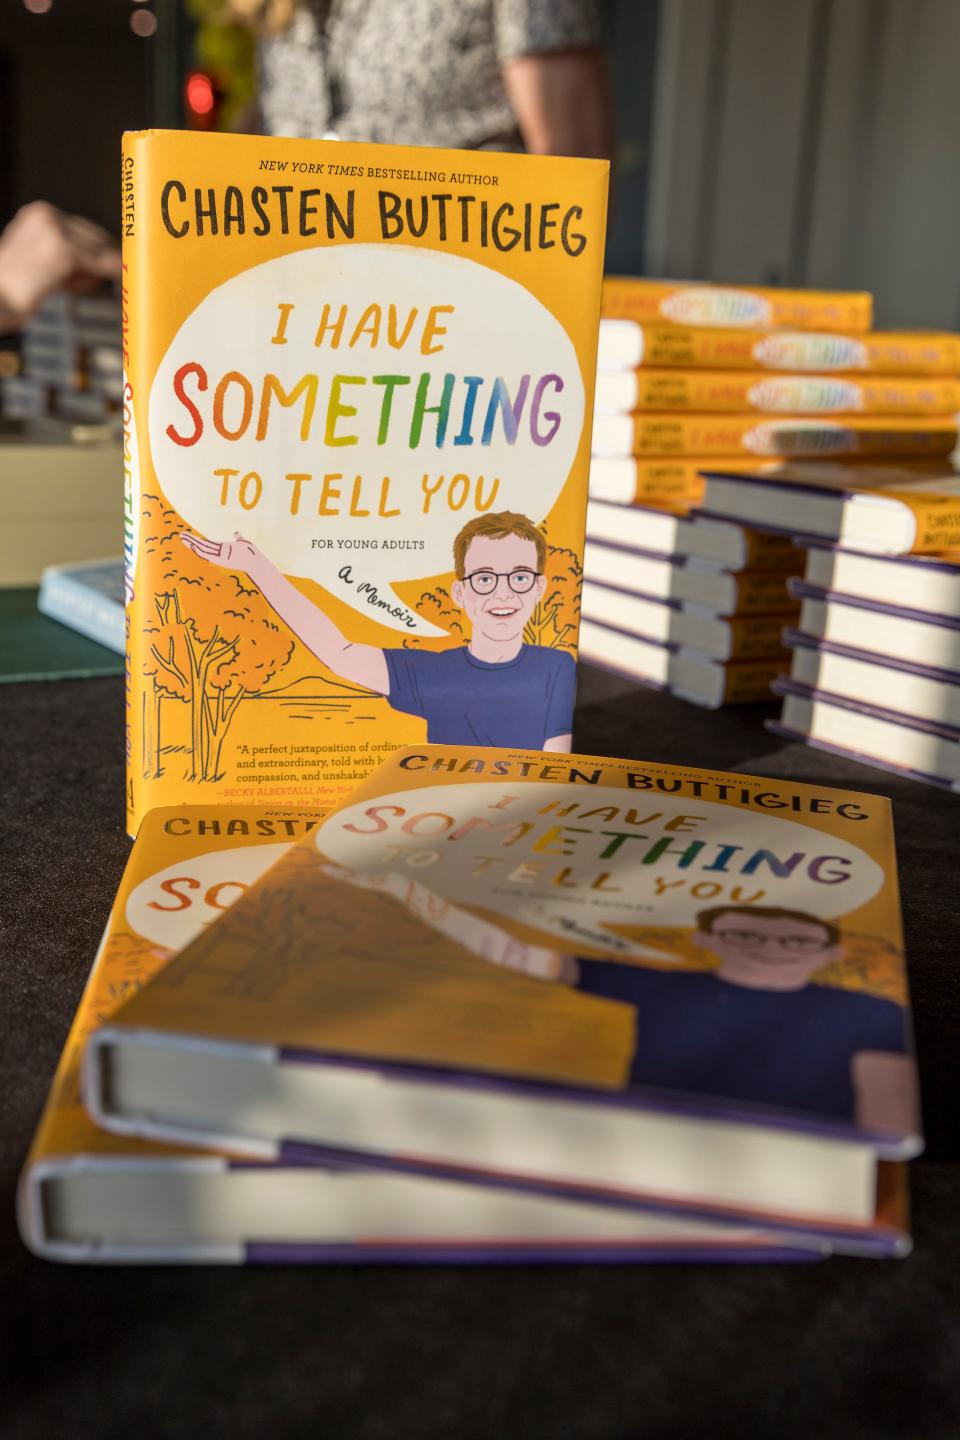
465, 701
792, 1049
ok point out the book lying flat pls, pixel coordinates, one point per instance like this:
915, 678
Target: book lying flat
890, 510
690, 302
838, 671
689, 582
627, 344
687, 674
630, 480
733, 546
620, 392
88, 1196
901, 743
916, 582
741, 637
890, 632
873, 437
666, 987
88, 597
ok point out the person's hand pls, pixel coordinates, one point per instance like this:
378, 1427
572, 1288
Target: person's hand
43, 250
236, 554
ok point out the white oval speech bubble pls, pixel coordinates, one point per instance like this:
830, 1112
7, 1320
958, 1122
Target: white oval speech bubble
173, 905
571, 884
514, 414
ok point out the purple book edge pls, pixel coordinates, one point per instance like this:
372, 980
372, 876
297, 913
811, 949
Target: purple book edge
803, 590
787, 732
803, 640
386, 1252
786, 685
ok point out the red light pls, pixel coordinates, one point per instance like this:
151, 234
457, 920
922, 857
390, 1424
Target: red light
200, 95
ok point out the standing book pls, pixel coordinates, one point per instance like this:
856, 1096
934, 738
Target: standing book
87, 1196
673, 989
357, 413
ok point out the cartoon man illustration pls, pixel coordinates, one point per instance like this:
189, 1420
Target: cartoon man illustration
495, 690
758, 1029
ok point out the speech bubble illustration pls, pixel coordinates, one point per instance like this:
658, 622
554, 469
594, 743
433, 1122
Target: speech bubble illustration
349, 409
574, 862
173, 905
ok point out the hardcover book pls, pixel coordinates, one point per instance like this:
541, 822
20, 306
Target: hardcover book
892, 632
627, 344
688, 674
730, 545
88, 597
740, 637
622, 392
688, 582
357, 423
672, 988
886, 509
918, 582
662, 433
676, 483
920, 691
689, 303
88, 1196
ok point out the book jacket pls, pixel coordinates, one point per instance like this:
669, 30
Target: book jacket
359, 382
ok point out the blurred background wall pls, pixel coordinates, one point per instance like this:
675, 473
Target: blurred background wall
780, 141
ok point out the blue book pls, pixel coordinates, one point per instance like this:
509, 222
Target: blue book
88, 597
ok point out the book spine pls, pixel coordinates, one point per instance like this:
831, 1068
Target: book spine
758, 637
628, 298
764, 593
772, 552
134, 321
725, 435
726, 391
66, 600
938, 522
749, 684
690, 347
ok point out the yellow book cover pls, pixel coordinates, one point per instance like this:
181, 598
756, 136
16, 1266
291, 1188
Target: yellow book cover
87, 1195
764, 592
359, 383
522, 957
627, 344
660, 433
731, 390
688, 303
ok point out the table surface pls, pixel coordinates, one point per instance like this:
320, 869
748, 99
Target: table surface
850, 1348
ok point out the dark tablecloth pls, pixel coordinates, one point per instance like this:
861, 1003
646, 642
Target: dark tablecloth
849, 1348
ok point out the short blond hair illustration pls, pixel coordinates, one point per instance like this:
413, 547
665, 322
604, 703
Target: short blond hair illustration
497, 527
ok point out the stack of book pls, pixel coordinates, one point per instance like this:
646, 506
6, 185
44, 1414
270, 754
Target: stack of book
501, 1004
688, 374
71, 363
693, 606
875, 670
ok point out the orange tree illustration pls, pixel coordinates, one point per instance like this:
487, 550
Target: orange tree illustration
211, 643
555, 618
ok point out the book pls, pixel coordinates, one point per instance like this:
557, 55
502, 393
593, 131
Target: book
688, 674
662, 433
732, 546
322, 494
58, 505
627, 344
889, 510
893, 632
623, 392
918, 582
88, 597
87, 1196
922, 692
890, 740
543, 1021
629, 480
739, 637
689, 582
692, 303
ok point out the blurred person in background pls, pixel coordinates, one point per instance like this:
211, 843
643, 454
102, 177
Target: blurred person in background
464, 74
43, 250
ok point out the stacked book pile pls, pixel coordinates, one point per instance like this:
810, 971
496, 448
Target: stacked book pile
875, 670
686, 604
624, 1015
71, 363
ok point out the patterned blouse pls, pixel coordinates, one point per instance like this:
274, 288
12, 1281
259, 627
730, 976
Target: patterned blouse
411, 72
